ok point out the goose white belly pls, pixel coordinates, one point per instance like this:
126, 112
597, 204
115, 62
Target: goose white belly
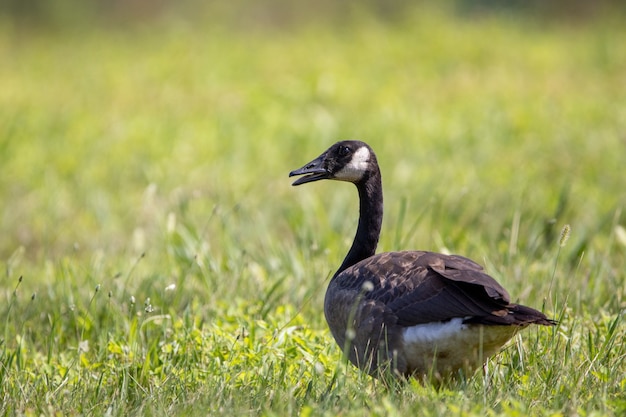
445, 347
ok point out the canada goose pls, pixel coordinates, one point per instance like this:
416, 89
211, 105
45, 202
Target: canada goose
420, 313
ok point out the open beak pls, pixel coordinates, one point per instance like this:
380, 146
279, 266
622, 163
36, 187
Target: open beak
315, 170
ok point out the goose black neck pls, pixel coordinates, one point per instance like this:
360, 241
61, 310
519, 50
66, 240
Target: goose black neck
370, 220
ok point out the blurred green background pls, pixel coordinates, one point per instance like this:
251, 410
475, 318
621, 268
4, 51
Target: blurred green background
108, 105
281, 13
127, 124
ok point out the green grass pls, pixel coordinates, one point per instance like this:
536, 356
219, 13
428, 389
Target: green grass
157, 260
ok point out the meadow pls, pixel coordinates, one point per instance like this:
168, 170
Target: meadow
157, 261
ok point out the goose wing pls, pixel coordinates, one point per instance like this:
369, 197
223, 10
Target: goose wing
423, 287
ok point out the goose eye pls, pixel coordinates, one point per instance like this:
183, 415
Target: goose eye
344, 151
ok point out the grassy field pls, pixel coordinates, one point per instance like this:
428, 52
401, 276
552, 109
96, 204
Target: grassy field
157, 260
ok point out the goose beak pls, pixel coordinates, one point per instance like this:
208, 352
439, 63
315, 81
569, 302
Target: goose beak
315, 170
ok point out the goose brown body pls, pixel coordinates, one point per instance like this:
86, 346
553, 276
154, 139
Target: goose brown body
420, 313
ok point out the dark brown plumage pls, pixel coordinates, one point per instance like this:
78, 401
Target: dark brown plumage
421, 313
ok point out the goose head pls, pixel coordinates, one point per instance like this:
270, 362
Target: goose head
349, 160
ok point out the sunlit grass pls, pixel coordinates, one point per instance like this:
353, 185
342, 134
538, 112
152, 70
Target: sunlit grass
157, 260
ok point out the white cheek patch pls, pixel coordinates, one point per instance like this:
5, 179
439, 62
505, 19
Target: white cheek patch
357, 166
